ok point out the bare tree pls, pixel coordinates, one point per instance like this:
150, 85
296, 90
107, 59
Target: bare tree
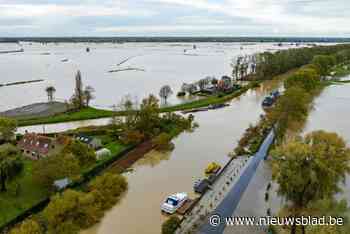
165, 92
88, 95
50, 90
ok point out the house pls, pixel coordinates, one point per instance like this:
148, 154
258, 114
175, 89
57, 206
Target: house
93, 142
37, 146
225, 83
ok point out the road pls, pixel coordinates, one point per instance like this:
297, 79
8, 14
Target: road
227, 207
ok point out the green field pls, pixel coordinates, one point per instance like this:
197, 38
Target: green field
29, 194
92, 113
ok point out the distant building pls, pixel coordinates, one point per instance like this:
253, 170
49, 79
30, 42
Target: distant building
93, 142
37, 146
225, 83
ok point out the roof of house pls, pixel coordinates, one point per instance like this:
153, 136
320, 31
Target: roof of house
36, 143
84, 138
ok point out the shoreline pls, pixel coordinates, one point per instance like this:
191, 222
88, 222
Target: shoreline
91, 113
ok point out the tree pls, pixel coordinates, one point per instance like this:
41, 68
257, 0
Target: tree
128, 106
165, 92
324, 63
203, 83
28, 227
8, 128
170, 226
148, 116
291, 110
50, 90
307, 79
310, 169
88, 95
329, 208
108, 188
214, 82
47, 170
84, 154
64, 213
78, 97
163, 142
11, 164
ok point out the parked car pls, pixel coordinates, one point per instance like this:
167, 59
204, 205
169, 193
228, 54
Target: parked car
174, 202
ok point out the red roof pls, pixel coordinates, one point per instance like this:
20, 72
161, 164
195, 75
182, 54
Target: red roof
36, 143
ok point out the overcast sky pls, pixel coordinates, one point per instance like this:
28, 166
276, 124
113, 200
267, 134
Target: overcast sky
175, 18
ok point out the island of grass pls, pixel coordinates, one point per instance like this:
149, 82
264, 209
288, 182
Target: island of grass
93, 113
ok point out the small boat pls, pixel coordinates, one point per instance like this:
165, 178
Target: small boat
218, 106
201, 186
173, 202
270, 100
64, 60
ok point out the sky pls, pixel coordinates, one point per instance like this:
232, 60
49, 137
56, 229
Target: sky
300, 18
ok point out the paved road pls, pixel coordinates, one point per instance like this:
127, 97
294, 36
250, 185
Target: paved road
227, 207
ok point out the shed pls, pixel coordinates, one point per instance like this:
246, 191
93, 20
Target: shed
102, 153
61, 184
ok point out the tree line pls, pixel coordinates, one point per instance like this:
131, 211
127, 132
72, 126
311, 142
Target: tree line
266, 65
311, 169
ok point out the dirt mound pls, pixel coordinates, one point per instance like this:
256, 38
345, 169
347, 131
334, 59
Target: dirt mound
36, 110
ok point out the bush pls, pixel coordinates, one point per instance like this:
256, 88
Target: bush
163, 142
170, 226
27, 227
108, 188
131, 137
212, 167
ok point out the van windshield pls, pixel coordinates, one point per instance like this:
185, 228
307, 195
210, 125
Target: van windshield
172, 202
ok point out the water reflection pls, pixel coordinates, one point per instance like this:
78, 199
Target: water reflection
153, 158
159, 175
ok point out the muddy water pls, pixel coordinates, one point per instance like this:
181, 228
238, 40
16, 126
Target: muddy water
46, 62
158, 175
332, 113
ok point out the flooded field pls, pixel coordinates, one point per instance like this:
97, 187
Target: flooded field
57, 64
159, 175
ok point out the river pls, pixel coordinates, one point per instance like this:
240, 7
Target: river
158, 175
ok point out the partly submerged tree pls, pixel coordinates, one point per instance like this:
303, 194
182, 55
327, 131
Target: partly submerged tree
11, 165
50, 90
165, 92
309, 169
88, 95
170, 225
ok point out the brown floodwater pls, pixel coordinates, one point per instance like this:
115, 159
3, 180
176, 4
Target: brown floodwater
158, 175
332, 113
